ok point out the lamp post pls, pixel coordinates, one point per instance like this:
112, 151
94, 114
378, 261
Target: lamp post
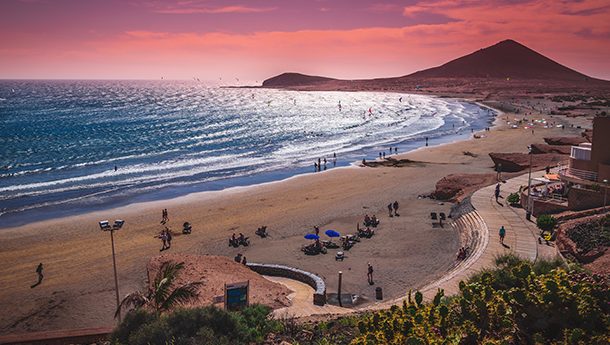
105, 226
528, 212
605, 181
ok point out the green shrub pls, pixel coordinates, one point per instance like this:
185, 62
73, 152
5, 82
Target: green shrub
546, 222
208, 325
591, 235
517, 303
513, 198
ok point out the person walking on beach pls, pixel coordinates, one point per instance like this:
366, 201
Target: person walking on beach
497, 192
315, 166
369, 274
317, 230
163, 216
502, 234
390, 209
396, 209
166, 216
40, 275
168, 237
163, 237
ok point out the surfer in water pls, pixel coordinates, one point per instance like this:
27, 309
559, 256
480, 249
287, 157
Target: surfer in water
400, 99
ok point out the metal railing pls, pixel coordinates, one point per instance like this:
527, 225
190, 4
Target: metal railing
577, 173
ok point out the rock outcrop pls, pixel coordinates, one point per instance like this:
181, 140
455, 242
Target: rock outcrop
455, 186
544, 148
514, 162
565, 140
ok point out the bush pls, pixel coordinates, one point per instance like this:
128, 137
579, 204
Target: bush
208, 325
591, 235
546, 222
517, 303
513, 198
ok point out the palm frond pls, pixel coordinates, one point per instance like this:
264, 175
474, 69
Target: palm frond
181, 295
163, 281
135, 299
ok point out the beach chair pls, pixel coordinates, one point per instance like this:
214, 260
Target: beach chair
433, 216
442, 216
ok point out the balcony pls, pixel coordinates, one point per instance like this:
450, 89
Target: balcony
572, 173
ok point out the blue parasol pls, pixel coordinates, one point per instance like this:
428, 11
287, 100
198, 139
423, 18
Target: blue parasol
312, 236
332, 233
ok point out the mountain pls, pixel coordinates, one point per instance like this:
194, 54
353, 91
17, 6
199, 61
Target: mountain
506, 59
294, 79
490, 67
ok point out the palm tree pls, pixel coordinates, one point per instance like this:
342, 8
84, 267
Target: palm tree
162, 295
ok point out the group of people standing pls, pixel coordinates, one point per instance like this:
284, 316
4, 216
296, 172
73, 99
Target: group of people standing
392, 149
166, 237
321, 163
164, 216
393, 207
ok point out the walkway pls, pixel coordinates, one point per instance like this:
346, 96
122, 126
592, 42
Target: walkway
481, 227
484, 224
302, 301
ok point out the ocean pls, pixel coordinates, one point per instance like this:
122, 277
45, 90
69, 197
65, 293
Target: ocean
61, 141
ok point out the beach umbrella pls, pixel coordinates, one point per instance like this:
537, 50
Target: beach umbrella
332, 233
312, 237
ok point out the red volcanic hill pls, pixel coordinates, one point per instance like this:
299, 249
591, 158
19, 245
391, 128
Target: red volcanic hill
290, 79
506, 59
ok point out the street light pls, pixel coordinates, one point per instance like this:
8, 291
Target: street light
605, 192
105, 226
528, 212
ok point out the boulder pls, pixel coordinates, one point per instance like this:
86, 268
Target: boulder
570, 141
453, 187
544, 148
514, 162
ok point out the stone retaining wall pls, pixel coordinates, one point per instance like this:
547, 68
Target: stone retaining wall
317, 283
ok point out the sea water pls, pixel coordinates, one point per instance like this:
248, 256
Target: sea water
61, 141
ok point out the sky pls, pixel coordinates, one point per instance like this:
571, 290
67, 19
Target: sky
252, 40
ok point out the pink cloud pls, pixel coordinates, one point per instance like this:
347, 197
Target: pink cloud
573, 33
214, 10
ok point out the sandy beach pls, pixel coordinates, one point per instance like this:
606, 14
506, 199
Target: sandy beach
78, 289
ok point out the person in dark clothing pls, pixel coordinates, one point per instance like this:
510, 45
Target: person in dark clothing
497, 192
396, 208
390, 209
40, 275
369, 274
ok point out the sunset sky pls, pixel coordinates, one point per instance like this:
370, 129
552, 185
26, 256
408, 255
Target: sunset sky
255, 39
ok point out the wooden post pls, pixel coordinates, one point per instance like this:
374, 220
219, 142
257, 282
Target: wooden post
339, 290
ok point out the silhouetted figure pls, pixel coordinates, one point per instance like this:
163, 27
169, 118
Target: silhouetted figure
40, 275
115, 168
426, 141
244, 261
502, 233
168, 238
390, 209
395, 206
369, 274
497, 192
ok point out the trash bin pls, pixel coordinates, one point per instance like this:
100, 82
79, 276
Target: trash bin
378, 293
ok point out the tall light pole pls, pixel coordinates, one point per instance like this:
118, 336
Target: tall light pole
528, 212
105, 226
605, 192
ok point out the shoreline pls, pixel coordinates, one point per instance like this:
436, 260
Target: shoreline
405, 251
37, 215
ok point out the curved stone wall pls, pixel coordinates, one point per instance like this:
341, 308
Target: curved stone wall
317, 283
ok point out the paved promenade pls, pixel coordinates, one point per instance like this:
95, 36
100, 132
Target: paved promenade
484, 224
